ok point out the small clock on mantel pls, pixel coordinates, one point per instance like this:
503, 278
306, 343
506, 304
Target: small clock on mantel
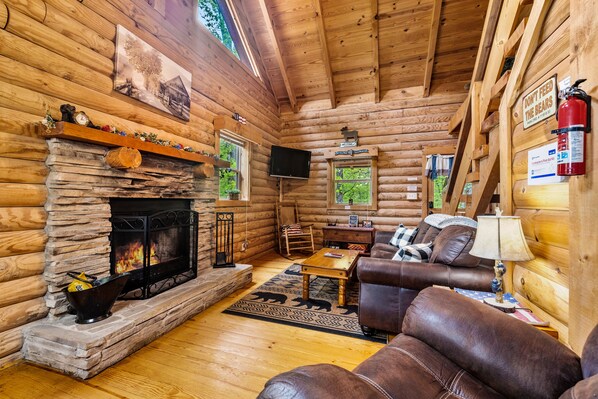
81, 118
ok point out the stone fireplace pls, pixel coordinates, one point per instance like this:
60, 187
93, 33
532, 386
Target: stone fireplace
100, 221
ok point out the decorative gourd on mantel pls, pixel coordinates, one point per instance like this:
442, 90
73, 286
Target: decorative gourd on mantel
121, 158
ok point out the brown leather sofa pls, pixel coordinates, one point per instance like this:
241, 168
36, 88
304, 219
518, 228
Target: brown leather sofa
388, 287
454, 347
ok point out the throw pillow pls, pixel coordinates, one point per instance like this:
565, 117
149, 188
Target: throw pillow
403, 236
414, 253
292, 229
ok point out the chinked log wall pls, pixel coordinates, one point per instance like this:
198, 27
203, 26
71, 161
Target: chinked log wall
398, 128
58, 51
543, 283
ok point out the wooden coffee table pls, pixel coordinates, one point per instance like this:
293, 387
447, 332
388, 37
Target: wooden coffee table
323, 266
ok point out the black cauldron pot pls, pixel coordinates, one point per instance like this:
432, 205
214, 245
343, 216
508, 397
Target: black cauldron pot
94, 304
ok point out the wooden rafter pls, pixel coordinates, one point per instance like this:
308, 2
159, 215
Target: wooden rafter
515, 38
492, 14
325, 53
456, 119
375, 51
434, 27
277, 51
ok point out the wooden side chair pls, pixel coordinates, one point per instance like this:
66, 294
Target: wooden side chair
291, 235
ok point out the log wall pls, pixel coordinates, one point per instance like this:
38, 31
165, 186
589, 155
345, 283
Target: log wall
543, 283
398, 128
583, 318
62, 51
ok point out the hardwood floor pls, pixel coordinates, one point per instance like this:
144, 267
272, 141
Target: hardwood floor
213, 355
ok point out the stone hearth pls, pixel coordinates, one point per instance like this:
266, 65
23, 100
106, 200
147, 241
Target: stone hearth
84, 350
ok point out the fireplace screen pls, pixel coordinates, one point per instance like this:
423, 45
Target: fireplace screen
156, 242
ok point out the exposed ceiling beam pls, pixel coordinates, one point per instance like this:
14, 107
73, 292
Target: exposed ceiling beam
375, 49
486, 40
434, 26
325, 54
277, 51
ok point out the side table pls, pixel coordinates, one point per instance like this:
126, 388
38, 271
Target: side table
521, 314
349, 235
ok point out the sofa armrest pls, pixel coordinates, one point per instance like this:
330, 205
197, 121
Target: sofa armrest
322, 381
510, 356
383, 237
412, 275
417, 276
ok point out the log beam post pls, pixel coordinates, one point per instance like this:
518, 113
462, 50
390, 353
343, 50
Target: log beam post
204, 170
123, 158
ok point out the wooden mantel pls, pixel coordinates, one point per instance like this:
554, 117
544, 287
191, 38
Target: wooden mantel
71, 131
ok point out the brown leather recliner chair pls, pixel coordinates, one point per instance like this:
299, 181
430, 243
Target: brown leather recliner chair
454, 347
388, 287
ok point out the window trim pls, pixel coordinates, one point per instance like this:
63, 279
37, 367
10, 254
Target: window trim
229, 13
333, 157
245, 167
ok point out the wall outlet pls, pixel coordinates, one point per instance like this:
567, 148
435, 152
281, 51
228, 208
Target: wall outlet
411, 196
412, 178
411, 187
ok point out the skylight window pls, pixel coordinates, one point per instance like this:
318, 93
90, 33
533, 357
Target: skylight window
220, 18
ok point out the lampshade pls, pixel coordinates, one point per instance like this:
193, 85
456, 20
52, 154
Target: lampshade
500, 238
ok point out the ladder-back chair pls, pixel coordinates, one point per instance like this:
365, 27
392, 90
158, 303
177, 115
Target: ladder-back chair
291, 235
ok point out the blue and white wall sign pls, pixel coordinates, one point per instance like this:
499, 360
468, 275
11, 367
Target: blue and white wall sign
541, 165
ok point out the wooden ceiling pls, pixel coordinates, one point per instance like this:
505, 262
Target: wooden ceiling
365, 50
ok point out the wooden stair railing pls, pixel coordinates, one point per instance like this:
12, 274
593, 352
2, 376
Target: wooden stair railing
478, 147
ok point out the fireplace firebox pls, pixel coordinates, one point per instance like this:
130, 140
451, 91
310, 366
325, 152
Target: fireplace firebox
155, 241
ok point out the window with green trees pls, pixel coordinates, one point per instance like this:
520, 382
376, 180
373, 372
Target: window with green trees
212, 15
352, 185
439, 184
233, 177
220, 18
352, 182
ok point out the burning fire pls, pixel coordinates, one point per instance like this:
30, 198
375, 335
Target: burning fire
130, 257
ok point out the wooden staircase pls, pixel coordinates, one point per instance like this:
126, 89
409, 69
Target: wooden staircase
483, 120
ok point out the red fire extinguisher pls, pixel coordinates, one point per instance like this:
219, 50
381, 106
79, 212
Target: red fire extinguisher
574, 116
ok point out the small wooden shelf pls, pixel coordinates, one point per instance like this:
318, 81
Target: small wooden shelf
71, 131
228, 124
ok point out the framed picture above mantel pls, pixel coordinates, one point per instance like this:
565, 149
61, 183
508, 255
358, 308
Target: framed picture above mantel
150, 77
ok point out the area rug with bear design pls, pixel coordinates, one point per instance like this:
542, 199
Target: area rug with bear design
280, 300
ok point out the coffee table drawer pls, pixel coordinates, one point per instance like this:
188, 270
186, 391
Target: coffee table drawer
358, 237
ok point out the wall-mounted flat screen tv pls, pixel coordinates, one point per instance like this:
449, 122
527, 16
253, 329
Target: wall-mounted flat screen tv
289, 163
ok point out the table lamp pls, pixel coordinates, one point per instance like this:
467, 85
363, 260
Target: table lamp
500, 238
